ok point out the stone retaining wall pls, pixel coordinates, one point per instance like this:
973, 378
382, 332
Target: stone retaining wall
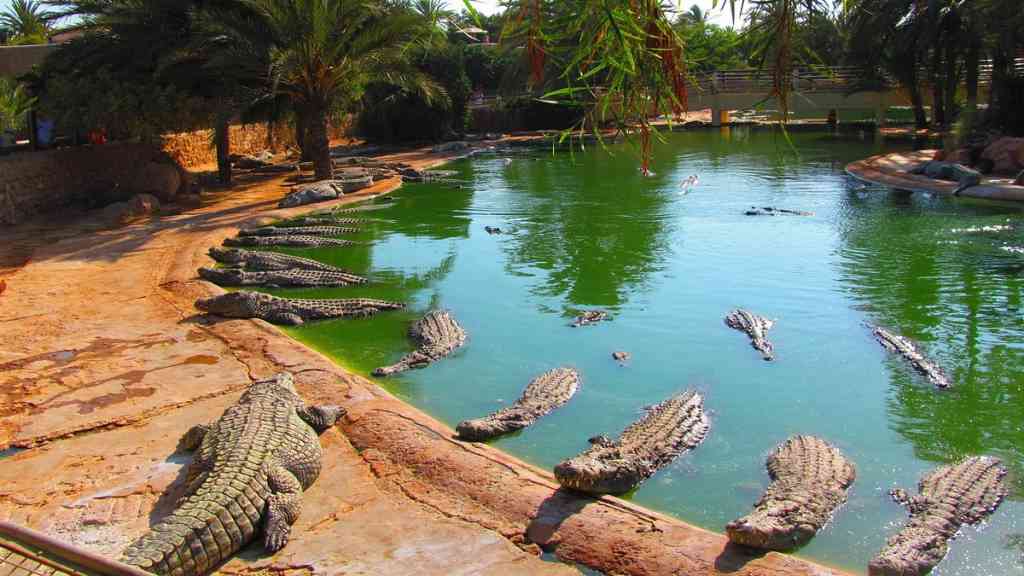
195, 149
45, 181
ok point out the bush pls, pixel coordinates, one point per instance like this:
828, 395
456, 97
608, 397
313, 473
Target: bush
392, 115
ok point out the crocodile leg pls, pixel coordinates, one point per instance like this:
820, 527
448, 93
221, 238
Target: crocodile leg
320, 418
283, 507
194, 437
285, 318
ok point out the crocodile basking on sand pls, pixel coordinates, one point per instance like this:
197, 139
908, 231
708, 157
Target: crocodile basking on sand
246, 478
936, 170
438, 335
614, 467
948, 498
290, 311
279, 278
905, 347
294, 240
298, 231
322, 221
545, 393
810, 479
267, 261
756, 327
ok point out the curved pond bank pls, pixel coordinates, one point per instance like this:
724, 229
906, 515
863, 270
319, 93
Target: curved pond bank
105, 364
891, 170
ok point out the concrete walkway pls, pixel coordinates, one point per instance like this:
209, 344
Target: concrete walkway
104, 364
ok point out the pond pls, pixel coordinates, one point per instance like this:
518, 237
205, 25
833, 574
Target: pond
588, 231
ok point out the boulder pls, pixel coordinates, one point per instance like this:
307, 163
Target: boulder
139, 206
159, 179
311, 193
1006, 154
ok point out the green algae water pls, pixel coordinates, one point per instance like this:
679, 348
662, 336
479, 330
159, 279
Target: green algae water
588, 231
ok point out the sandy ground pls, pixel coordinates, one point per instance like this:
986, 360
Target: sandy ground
891, 170
105, 363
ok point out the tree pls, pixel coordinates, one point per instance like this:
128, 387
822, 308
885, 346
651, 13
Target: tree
26, 22
15, 104
324, 53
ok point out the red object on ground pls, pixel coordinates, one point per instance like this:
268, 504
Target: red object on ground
98, 136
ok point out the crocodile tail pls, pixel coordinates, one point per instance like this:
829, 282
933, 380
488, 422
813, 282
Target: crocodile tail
204, 531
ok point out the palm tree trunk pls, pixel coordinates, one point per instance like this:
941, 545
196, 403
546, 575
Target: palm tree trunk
302, 133
952, 80
222, 139
938, 109
318, 142
972, 63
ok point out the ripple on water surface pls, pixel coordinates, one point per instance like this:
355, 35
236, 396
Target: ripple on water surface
591, 233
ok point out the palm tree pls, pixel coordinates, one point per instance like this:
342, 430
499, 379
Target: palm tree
26, 22
323, 53
695, 16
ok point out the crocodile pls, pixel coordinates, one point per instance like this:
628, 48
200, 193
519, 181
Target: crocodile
267, 261
590, 317
438, 335
770, 211
756, 327
290, 311
247, 477
278, 278
670, 428
545, 393
949, 497
298, 231
910, 352
322, 221
810, 479
294, 240
936, 170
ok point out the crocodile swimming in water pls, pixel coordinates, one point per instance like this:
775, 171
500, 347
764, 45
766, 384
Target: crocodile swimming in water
298, 231
545, 393
290, 311
279, 278
810, 479
910, 352
936, 170
615, 467
948, 498
438, 335
295, 240
756, 327
267, 261
590, 317
247, 477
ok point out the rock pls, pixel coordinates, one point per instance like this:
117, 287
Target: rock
456, 146
139, 206
311, 193
156, 178
1006, 154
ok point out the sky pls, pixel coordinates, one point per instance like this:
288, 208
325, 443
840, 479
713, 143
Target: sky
718, 15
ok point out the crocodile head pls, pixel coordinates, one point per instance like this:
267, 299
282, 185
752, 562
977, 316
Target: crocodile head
601, 470
235, 304
768, 529
227, 276
226, 255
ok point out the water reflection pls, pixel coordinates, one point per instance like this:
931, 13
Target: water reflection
906, 265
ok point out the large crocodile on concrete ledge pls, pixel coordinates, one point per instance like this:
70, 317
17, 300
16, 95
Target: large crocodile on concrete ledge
290, 311
438, 335
614, 467
909, 351
266, 261
247, 477
810, 479
936, 170
298, 231
949, 497
756, 327
295, 241
279, 278
545, 393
